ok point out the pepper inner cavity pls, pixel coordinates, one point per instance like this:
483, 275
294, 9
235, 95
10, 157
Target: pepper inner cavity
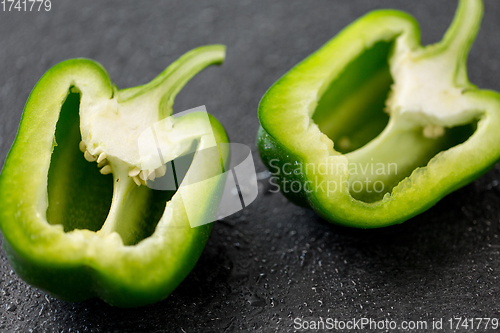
351, 112
80, 193
79, 197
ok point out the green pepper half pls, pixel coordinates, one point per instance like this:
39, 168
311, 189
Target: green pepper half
78, 230
329, 144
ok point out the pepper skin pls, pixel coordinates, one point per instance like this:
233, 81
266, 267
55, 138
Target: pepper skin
329, 144
78, 232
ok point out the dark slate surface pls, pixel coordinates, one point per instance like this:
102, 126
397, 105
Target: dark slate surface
274, 261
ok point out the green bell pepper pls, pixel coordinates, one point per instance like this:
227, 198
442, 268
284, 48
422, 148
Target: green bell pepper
78, 232
329, 144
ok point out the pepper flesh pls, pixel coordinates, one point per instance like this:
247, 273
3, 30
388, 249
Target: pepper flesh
324, 121
77, 233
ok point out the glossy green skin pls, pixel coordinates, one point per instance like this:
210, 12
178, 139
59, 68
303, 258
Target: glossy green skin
285, 138
73, 265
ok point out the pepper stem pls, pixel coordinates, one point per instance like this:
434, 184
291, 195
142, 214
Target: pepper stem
161, 91
461, 34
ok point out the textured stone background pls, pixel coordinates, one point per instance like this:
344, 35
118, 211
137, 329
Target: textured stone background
273, 261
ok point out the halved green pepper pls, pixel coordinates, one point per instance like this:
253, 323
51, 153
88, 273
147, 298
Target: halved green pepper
78, 232
329, 144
